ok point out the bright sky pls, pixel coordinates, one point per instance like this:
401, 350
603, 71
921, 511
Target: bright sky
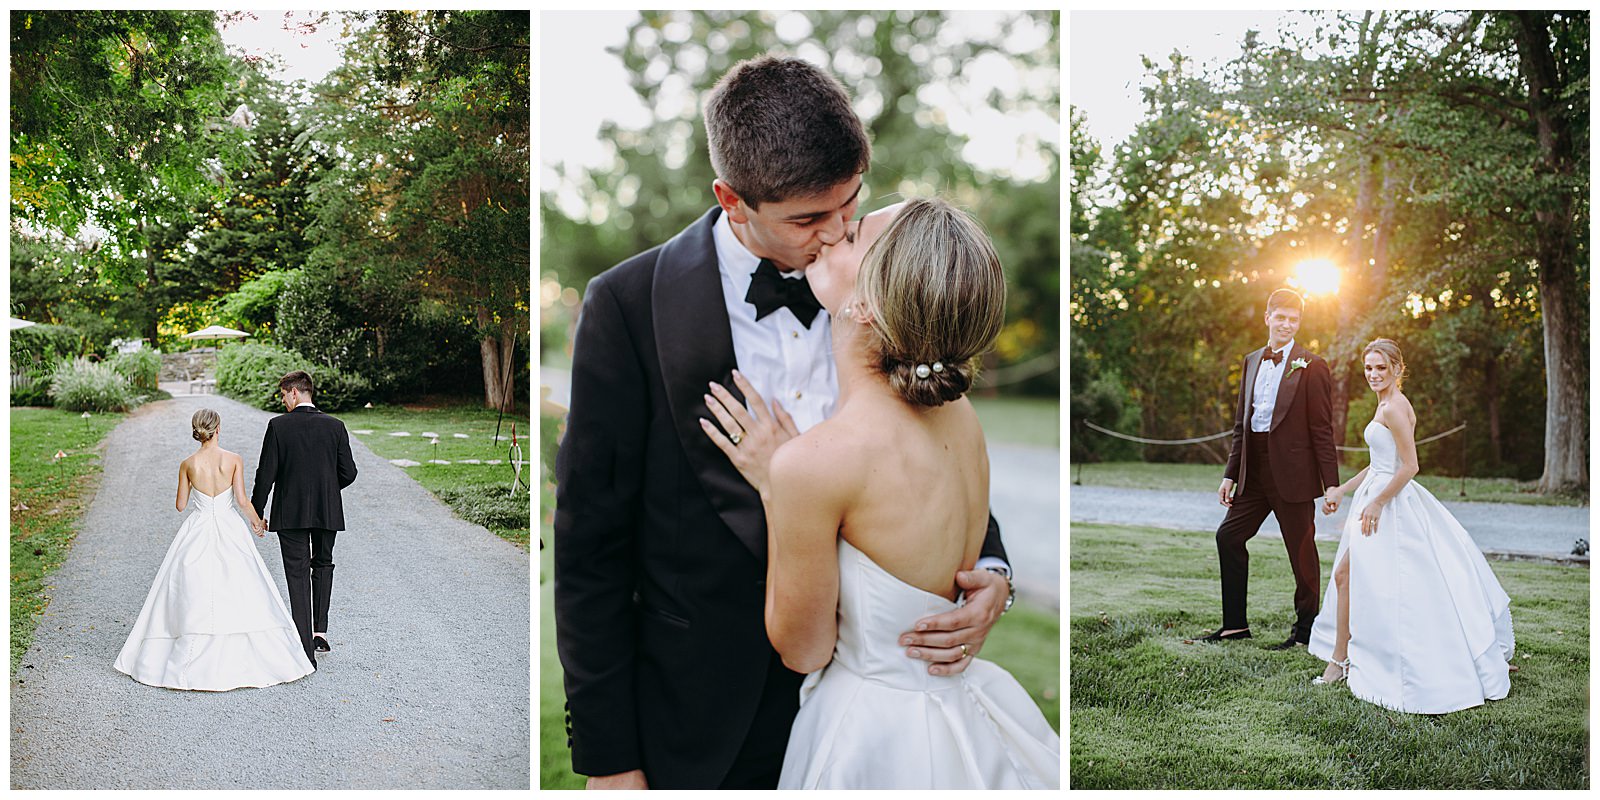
1105, 48
302, 55
582, 85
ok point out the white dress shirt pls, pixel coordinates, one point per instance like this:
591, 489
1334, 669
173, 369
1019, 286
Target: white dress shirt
1268, 376
782, 359
779, 356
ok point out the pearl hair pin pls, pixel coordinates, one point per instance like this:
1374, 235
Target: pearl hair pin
924, 371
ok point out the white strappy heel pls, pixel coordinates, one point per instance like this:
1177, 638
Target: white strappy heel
1344, 672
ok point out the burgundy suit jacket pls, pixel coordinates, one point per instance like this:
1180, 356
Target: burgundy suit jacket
1300, 440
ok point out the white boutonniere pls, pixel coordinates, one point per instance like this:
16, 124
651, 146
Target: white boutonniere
1298, 363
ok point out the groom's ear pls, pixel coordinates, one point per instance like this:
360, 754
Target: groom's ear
731, 204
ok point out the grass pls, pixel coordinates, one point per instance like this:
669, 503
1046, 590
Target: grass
1206, 477
47, 500
479, 493
1151, 712
1032, 421
1027, 642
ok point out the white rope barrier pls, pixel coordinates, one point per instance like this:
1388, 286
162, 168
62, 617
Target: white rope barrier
1215, 436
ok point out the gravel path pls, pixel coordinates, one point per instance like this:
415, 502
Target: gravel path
1498, 528
427, 685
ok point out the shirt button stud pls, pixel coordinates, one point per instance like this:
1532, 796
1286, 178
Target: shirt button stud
797, 395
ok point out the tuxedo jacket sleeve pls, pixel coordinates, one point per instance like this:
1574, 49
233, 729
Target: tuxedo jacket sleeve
993, 547
1241, 413
266, 471
599, 478
1319, 416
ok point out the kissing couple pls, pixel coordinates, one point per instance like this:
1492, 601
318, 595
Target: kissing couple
1414, 618
774, 560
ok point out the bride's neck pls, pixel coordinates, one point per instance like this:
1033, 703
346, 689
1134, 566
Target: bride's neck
853, 365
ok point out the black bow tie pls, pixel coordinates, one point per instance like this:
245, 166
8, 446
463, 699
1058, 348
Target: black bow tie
1274, 356
769, 292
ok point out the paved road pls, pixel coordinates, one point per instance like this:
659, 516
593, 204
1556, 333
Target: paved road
1024, 495
1496, 527
427, 686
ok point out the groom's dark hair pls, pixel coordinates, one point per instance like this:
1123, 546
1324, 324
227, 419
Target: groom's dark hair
299, 379
1285, 298
781, 128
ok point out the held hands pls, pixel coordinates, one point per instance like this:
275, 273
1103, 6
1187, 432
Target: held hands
260, 527
1225, 493
939, 639
633, 779
748, 442
1331, 499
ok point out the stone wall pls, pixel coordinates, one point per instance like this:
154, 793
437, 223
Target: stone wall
188, 364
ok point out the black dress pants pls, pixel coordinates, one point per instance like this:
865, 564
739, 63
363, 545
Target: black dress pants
308, 570
1250, 508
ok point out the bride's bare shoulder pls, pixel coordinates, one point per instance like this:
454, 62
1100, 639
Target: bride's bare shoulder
816, 467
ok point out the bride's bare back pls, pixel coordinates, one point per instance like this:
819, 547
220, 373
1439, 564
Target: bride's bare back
922, 505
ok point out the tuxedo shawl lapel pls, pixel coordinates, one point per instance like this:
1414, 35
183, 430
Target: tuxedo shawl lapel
694, 343
1287, 384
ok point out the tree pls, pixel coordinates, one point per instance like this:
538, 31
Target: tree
430, 114
114, 117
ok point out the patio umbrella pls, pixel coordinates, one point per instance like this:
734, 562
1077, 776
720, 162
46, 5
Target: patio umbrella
216, 332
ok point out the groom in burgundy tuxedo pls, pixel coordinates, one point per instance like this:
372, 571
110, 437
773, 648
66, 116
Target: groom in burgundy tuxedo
1282, 460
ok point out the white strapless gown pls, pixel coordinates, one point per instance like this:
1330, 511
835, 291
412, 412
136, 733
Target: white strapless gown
875, 718
1430, 627
213, 619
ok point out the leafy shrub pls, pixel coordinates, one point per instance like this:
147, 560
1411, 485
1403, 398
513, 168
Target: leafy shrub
30, 389
41, 347
35, 352
83, 385
249, 373
141, 367
489, 505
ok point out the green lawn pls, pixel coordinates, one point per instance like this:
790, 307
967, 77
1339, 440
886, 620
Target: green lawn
1151, 712
1027, 642
1206, 477
47, 499
479, 493
1020, 420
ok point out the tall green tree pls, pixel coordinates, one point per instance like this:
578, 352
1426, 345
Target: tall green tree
114, 117
429, 114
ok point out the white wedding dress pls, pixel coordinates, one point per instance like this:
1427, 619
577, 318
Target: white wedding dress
213, 619
875, 718
1430, 627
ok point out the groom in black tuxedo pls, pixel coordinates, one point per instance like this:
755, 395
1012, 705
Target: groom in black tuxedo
1283, 458
660, 544
305, 463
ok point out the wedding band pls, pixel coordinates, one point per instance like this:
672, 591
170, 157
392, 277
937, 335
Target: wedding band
736, 437
964, 652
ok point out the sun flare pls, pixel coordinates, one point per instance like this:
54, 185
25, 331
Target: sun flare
1317, 276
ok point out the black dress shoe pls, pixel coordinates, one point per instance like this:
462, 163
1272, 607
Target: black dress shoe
320, 644
1287, 644
1216, 636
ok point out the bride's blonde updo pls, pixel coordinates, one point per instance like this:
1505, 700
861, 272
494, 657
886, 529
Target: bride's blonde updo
205, 422
1391, 353
933, 286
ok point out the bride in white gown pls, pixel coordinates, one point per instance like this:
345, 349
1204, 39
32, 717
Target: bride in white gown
870, 513
213, 619
1414, 620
